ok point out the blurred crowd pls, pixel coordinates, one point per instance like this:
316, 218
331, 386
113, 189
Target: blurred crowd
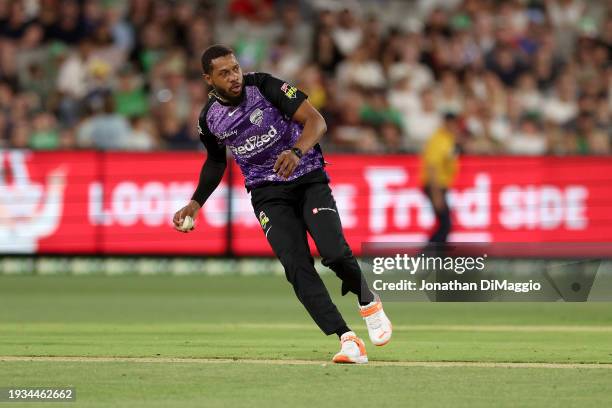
522, 76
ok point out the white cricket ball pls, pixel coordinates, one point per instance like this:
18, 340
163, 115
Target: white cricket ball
187, 223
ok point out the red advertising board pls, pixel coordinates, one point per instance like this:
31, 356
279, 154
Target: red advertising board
103, 203
494, 199
122, 203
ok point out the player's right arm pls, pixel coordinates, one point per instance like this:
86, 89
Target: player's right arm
210, 176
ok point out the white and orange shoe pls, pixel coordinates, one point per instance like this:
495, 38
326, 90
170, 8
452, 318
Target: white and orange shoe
352, 350
379, 325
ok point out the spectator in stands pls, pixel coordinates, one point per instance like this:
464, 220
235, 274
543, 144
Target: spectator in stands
104, 129
45, 134
493, 64
423, 121
529, 140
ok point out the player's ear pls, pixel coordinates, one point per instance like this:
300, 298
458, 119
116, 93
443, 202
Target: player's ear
208, 79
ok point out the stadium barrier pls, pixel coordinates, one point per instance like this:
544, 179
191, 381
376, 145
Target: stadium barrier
111, 203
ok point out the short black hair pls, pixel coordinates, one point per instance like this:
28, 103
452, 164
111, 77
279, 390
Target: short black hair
212, 52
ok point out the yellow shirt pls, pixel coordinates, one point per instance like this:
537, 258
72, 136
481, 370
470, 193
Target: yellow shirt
440, 155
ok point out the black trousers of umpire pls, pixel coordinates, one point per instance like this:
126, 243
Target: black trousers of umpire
287, 212
443, 216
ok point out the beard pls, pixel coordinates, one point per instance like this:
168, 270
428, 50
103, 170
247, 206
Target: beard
231, 99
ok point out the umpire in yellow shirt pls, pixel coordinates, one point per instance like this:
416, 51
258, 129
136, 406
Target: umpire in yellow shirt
439, 165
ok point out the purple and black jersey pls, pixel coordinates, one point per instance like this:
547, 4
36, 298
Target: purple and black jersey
258, 129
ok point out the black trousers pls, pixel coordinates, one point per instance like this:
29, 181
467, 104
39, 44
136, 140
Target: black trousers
440, 234
287, 212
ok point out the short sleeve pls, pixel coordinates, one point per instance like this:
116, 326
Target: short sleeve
284, 96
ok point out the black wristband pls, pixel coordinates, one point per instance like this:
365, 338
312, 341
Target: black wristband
297, 152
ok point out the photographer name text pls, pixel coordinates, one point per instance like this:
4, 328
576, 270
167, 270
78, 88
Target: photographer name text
455, 285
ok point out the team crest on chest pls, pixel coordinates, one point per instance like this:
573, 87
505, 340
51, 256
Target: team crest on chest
256, 117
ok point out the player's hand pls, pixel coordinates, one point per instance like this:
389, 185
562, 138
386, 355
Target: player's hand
191, 210
286, 164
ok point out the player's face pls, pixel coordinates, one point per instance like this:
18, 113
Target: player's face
226, 77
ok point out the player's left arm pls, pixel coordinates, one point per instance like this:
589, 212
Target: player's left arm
314, 129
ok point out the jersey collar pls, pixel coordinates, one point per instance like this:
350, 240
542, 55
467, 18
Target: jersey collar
240, 99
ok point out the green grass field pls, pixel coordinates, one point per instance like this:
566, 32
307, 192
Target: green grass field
271, 354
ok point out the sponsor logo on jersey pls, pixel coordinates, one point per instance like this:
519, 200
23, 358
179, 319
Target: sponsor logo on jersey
318, 210
227, 134
289, 91
255, 144
256, 117
263, 219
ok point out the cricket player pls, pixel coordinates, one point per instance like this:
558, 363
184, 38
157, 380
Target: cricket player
273, 132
